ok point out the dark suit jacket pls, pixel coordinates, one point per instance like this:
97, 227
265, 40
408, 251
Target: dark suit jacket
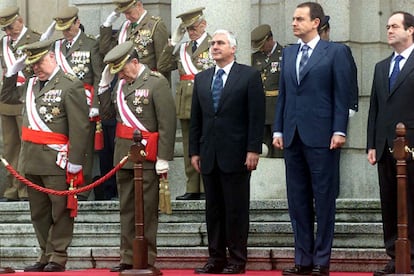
237, 126
388, 108
318, 106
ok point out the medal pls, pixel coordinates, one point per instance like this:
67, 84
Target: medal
43, 110
138, 109
145, 101
48, 118
55, 111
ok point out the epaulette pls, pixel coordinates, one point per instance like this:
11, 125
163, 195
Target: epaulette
157, 18
156, 74
36, 32
91, 36
70, 76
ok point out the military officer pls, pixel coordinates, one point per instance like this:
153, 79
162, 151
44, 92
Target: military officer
17, 35
143, 101
148, 33
78, 54
190, 57
55, 116
266, 58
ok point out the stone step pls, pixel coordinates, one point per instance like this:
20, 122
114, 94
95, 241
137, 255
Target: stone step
182, 236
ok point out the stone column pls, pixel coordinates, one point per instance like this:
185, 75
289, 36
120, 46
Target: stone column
232, 15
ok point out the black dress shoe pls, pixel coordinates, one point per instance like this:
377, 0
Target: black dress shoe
35, 267
320, 270
5, 199
121, 267
388, 269
298, 270
189, 196
54, 267
209, 268
234, 269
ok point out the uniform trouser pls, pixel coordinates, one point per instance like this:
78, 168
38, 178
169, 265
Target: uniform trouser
92, 161
11, 127
126, 191
51, 219
194, 182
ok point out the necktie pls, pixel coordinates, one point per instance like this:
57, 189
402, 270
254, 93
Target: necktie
134, 25
194, 47
304, 59
42, 84
395, 70
217, 88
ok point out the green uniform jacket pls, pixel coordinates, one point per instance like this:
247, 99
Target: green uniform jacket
270, 70
156, 112
149, 38
7, 106
68, 115
171, 60
86, 62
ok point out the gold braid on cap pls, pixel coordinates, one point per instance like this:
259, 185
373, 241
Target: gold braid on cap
33, 58
115, 68
5, 20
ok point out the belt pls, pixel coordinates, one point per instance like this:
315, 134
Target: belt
187, 77
272, 93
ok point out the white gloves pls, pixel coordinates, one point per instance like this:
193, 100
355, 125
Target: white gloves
106, 79
93, 112
178, 34
49, 31
18, 66
161, 166
73, 168
111, 19
351, 113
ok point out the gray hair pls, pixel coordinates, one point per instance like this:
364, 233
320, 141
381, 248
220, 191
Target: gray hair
230, 36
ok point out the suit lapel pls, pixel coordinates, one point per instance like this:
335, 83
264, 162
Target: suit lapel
318, 53
231, 81
290, 62
408, 67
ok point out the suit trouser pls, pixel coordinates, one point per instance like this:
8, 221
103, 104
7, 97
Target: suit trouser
387, 176
126, 191
51, 219
311, 189
194, 180
12, 130
227, 215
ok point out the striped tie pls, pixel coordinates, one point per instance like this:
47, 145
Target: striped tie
304, 59
217, 88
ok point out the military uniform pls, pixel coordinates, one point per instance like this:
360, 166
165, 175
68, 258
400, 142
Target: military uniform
11, 110
151, 103
82, 59
269, 66
149, 37
188, 63
59, 110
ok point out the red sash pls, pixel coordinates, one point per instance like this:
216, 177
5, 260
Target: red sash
43, 137
187, 77
151, 148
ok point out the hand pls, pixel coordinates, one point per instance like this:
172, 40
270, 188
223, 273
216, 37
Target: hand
372, 156
161, 166
178, 34
195, 161
252, 159
278, 142
337, 141
106, 78
94, 112
351, 113
49, 31
111, 19
73, 168
16, 67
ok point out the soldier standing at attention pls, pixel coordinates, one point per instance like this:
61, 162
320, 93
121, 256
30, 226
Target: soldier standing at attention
55, 128
266, 58
141, 100
78, 54
148, 33
190, 57
17, 35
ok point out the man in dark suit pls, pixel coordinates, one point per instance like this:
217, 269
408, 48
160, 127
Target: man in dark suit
391, 102
226, 132
310, 124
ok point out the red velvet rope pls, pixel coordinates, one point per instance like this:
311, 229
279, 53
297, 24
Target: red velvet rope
66, 192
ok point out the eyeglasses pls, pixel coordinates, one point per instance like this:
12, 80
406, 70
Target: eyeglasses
193, 27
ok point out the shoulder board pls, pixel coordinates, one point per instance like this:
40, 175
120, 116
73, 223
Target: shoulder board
91, 36
36, 32
70, 77
155, 73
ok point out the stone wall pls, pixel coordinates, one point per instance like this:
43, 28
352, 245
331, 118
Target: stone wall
358, 23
